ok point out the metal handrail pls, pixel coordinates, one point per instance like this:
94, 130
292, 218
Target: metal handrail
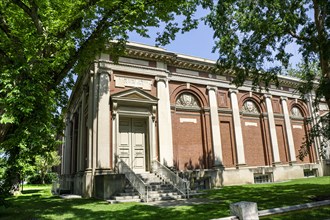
183, 186
136, 182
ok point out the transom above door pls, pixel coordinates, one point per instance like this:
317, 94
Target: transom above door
132, 142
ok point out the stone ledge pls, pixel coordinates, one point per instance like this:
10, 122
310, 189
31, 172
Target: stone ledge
293, 208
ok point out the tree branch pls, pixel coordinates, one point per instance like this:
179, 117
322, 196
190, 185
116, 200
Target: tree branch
5, 28
298, 37
5, 55
32, 12
77, 22
102, 25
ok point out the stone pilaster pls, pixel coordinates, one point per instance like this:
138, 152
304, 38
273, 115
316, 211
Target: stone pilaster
288, 130
103, 121
237, 128
90, 122
164, 122
215, 126
67, 147
272, 129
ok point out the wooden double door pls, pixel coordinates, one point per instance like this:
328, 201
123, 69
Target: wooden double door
132, 142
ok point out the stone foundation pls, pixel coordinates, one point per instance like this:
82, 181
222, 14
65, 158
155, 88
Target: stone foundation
108, 185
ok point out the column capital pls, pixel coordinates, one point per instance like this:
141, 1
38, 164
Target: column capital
161, 79
214, 88
103, 71
268, 96
233, 91
284, 98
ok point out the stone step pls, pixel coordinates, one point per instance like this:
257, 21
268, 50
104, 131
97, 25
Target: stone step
161, 187
111, 201
156, 195
164, 198
125, 197
128, 194
162, 191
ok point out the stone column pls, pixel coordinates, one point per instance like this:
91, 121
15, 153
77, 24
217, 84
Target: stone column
103, 121
215, 126
90, 122
79, 139
74, 144
272, 130
82, 128
164, 122
67, 146
237, 127
288, 129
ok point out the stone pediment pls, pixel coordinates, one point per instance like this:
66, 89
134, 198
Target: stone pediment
134, 95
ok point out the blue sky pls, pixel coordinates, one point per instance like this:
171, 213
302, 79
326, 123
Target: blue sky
198, 42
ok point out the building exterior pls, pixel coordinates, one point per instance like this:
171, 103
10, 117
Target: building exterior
159, 105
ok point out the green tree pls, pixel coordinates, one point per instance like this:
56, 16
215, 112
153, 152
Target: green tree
45, 42
252, 36
45, 162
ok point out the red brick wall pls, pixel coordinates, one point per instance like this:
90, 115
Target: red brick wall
227, 142
282, 144
188, 147
255, 151
298, 139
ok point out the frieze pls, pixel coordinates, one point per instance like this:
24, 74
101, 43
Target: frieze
121, 81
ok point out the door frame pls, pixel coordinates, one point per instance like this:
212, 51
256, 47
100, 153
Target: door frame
135, 103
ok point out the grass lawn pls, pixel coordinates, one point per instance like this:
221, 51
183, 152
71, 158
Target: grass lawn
36, 202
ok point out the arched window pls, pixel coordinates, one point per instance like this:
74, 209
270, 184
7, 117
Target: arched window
295, 112
187, 100
250, 107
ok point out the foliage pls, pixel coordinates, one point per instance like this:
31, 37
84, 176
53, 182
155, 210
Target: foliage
44, 43
48, 178
45, 162
252, 36
37, 202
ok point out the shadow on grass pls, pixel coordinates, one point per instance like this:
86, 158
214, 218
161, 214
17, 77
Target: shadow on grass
272, 196
267, 196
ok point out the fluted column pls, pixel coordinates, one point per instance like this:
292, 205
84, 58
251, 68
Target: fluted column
272, 129
164, 122
215, 126
288, 129
237, 127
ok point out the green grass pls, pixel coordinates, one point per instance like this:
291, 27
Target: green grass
36, 202
321, 213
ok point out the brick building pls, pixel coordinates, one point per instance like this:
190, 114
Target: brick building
159, 105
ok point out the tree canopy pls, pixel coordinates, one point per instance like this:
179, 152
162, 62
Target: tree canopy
252, 38
43, 44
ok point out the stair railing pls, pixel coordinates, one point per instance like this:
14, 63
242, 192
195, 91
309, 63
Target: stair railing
137, 183
183, 186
